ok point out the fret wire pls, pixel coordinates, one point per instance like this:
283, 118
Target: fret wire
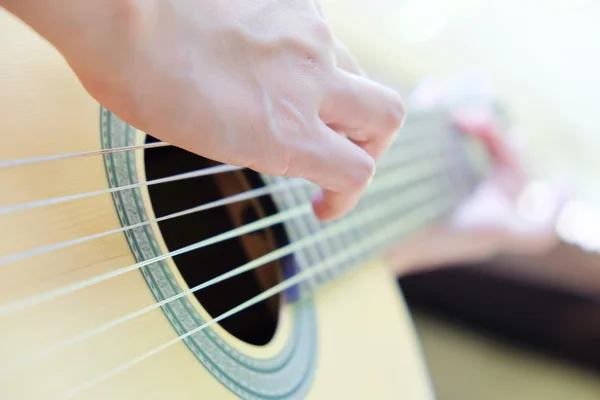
313, 256
304, 226
328, 253
424, 141
365, 204
459, 180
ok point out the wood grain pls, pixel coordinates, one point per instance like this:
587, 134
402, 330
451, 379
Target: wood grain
367, 347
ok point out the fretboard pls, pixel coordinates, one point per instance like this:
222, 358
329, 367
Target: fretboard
425, 174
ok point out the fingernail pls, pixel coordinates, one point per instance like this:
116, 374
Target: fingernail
372, 176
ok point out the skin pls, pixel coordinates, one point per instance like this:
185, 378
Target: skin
264, 84
507, 213
260, 84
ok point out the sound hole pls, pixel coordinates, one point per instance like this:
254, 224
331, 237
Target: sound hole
257, 324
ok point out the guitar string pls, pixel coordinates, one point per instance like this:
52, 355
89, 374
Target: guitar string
411, 119
368, 245
226, 277
173, 178
414, 198
405, 139
219, 169
257, 263
55, 157
19, 305
238, 197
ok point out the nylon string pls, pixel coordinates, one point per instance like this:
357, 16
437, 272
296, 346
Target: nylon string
54, 157
415, 197
238, 197
219, 169
305, 209
381, 237
411, 119
405, 139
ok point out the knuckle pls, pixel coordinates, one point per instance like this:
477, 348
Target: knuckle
321, 31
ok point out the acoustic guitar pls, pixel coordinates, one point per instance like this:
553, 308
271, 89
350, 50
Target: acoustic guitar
131, 269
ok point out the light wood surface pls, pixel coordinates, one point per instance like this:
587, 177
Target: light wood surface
366, 344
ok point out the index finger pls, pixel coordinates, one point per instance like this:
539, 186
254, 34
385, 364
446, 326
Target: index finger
365, 110
341, 168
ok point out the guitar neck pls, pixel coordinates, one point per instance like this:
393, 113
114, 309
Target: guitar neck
427, 172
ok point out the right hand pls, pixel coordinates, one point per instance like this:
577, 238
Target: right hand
260, 84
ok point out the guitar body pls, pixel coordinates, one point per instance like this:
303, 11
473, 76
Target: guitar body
352, 340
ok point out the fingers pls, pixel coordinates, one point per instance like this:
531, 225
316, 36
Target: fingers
509, 172
481, 124
347, 62
368, 112
345, 59
342, 169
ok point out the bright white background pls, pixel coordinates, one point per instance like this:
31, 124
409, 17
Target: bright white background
542, 58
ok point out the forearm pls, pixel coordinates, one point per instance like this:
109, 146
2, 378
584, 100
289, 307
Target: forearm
72, 26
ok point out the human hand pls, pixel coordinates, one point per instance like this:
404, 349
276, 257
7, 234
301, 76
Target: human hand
258, 84
506, 213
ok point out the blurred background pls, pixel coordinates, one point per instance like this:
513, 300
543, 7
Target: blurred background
517, 327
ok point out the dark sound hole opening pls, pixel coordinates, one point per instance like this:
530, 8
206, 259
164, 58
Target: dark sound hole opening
257, 324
